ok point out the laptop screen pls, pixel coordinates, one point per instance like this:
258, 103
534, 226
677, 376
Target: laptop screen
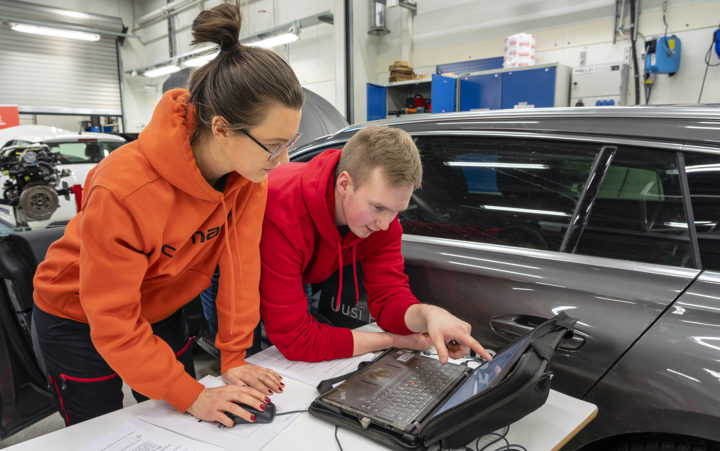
482, 377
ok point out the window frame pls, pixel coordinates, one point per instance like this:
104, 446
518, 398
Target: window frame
587, 197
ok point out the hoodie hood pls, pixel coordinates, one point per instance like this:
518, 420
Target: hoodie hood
318, 192
165, 142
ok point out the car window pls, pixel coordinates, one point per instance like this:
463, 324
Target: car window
501, 191
703, 171
638, 213
84, 151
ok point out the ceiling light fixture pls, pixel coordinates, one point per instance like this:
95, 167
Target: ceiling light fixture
275, 41
268, 38
200, 60
56, 32
161, 70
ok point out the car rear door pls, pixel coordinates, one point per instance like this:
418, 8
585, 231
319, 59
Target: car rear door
487, 238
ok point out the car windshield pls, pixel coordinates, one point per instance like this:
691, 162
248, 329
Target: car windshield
83, 151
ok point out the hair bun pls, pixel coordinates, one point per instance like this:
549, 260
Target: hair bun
219, 25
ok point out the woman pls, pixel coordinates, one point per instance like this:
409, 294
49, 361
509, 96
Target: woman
158, 216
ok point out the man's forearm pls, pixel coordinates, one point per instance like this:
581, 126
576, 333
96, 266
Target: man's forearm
364, 342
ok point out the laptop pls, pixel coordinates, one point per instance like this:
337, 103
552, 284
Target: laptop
403, 389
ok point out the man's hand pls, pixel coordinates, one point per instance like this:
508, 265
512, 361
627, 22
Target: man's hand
262, 379
212, 403
449, 334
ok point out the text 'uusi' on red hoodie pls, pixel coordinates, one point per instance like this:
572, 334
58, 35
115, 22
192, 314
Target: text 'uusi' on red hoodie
301, 245
146, 242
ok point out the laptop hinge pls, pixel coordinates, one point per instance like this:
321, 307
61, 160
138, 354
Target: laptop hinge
365, 422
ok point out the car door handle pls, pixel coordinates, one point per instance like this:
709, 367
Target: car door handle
514, 326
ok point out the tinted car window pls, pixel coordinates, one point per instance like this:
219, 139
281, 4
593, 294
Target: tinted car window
83, 151
511, 192
638, 213
703, 171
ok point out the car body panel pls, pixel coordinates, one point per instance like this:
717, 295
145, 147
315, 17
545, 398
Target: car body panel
680, 381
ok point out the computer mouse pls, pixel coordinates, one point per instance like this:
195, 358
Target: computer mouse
263, 416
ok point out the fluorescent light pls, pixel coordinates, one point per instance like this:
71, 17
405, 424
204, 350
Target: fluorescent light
275, 41
162, 70
56, 32
200, 60
467, 164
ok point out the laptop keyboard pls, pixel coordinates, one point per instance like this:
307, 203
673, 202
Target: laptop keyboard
401, 402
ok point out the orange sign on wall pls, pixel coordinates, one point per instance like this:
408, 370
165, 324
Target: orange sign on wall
9, 116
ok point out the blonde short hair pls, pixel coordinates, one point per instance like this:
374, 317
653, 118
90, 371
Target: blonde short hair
390, 148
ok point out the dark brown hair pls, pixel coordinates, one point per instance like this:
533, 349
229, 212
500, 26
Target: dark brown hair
390, 148
242, 82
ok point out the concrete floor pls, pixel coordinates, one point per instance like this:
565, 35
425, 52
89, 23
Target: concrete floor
204, 365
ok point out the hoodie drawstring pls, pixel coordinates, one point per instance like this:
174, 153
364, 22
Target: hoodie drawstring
357, 292
232, 264
340, 276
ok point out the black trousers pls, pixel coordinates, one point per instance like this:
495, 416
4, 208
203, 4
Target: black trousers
83, 384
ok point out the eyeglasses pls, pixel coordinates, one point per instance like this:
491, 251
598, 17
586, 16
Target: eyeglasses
275, 152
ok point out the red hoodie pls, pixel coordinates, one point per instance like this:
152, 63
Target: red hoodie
146, 242
301, 245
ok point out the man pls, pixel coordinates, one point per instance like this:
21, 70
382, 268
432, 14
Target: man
342, 208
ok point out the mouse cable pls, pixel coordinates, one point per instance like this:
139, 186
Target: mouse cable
290, 412
336, 438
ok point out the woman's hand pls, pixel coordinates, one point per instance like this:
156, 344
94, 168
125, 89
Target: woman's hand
213, 403
265, 380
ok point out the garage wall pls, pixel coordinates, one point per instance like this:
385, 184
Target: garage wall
459, 30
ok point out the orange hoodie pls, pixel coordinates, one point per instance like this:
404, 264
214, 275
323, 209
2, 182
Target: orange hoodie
146, 242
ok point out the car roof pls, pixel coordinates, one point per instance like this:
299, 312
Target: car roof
44, 133
697, 125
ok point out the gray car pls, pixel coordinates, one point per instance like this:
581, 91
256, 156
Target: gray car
608, 214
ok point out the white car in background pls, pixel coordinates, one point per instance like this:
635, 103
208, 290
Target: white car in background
79, 152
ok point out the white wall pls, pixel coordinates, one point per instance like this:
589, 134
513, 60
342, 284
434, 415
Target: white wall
459, 30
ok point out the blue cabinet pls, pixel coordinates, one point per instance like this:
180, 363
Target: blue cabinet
376, 102
391, 99
539, 86
531, 86
443, 94
480, 91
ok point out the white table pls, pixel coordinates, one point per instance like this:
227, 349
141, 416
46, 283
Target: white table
548, 428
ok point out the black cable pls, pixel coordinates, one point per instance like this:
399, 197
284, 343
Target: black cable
708, 55
337, 440
290, 411
499, 437
633, 39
